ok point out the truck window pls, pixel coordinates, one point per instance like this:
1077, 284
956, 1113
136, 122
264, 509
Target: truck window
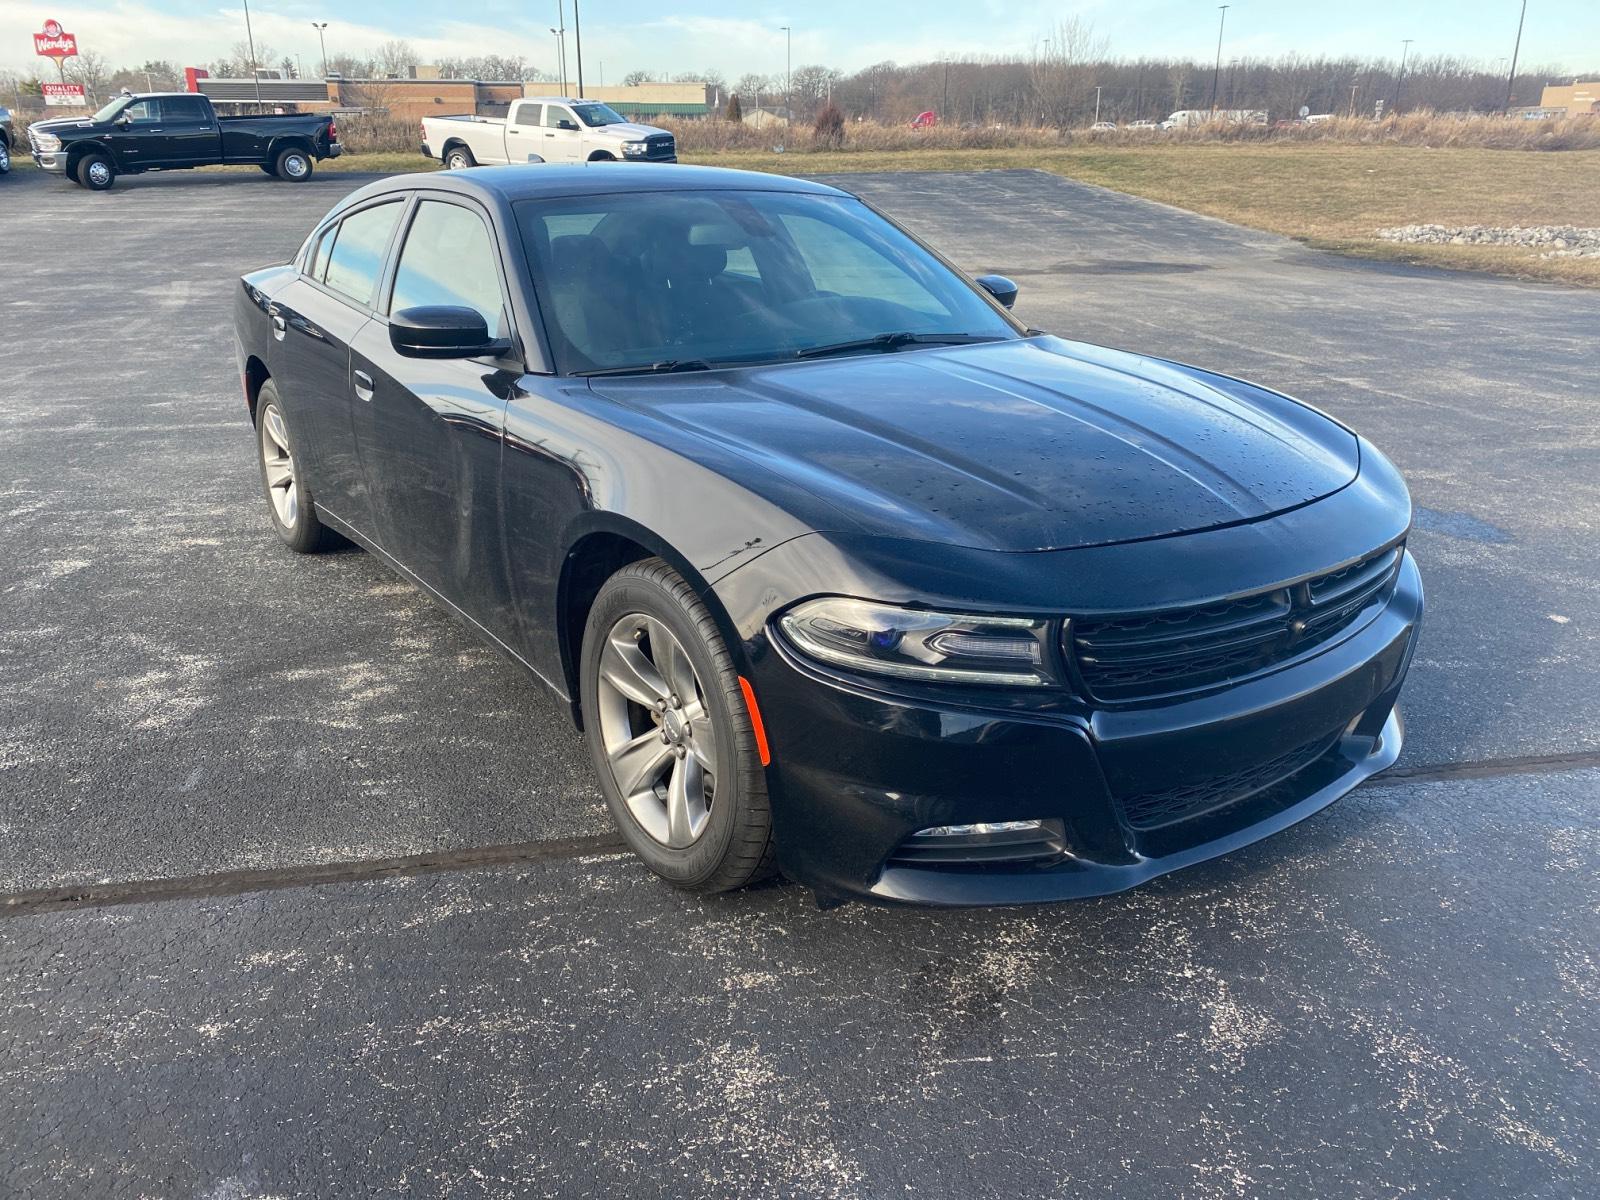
143, 112
185, 110
554, 114
358, 249
524, 113
449, 258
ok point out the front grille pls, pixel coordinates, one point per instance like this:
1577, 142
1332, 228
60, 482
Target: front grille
1151, 810
1144, 656
1024, 847
659, 145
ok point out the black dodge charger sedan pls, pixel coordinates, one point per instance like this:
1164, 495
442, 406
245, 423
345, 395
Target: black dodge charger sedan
842, 569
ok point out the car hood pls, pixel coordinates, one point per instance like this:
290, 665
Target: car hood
1036, 444
629, 132
58, 124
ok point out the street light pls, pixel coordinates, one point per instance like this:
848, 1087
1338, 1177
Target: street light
1511, 79
319, 26
251, 39
561, 42
1216, 72
1400, 79
788, 73
577, 37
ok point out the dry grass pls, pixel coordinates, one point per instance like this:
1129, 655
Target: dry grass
1329, 194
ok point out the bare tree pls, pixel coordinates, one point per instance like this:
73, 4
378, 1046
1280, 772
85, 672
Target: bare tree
1061, 69
751, 86
92, 71
635, 78
395, 59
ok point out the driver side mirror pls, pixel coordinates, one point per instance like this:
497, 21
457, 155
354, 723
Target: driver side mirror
570, 125
443, 331
998, 286
123, 119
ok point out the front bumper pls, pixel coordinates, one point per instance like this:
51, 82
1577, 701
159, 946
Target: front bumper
55, 161
856, 770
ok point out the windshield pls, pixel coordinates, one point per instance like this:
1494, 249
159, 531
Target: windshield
595, 115
638, 279
111, 110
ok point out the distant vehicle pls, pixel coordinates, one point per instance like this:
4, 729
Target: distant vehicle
1188, 118
177, 131
1318, 118
5, 140
925, 120
545, 129
1103, 127
1143, 126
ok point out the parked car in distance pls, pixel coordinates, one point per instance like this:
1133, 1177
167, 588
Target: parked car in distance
552, 129
1149, 126
838, 565
6, 135
1189, 118
1103, 127
925, 120
177, 131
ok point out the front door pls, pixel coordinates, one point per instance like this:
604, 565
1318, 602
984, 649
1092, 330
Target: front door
562, 137
142, 141
429, 429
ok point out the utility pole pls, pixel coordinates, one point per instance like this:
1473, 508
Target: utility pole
1233, 75
561, 42
577, 36
1400, 79
1511, 79
251, 39
1354, 88
1097, 104
788, 73
1216, 71
322, 41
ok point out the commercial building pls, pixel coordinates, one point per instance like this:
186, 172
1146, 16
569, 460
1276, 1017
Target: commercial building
1580, 99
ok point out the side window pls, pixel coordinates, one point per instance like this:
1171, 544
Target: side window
357, 257
525, 114
317, 261
449, 258
184, 110
145, 112
554, 114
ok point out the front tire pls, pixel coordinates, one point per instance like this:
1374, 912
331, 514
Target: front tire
289, 503
5, 159
459, 158
293, 164
669, 734
96, 173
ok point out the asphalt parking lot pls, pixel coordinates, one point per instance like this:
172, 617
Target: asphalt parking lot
352, 920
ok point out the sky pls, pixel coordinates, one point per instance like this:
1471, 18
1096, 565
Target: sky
667, 37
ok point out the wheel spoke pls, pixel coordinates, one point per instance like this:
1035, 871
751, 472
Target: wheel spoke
624, 666
637, 765
703, 745
672, 660
276, 431
280, 472
686, 803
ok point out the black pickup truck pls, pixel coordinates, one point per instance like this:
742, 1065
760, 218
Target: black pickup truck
175, 131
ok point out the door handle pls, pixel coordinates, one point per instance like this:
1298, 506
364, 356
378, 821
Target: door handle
513, 131
363, 383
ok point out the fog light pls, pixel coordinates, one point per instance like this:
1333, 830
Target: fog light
984, 827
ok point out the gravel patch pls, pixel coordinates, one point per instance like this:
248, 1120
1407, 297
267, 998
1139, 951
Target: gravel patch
1557, 241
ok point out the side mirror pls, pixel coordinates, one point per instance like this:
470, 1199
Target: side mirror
571, 125
442, 331
998, 286
124, 119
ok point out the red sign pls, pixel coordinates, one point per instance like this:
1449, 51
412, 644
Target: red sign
63, 93
55, 42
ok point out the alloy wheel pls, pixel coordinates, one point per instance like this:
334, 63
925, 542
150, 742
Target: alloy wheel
99, 173
278, 464
657, 730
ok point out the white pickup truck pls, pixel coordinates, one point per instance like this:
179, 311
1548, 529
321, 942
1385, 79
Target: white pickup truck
545, 129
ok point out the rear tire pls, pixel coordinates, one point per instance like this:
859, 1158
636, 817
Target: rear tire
669, 734
294, 165
289, 503
96, 173
459, 158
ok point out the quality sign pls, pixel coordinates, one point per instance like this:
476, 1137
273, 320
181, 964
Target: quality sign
55, 42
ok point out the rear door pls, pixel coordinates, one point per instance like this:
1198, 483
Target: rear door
429, 429
563, 140
191, 130
316, 319
524, 131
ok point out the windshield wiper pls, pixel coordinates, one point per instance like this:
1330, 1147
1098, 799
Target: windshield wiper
655, 368
893, 341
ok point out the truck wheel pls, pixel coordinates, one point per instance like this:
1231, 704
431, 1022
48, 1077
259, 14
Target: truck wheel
293, 164
5, 158
459, 158
96, 173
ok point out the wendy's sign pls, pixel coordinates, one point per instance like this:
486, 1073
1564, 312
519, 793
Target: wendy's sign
55, 42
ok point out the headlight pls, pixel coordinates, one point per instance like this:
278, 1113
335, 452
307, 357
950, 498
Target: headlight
634, 147
884, 639
47, 142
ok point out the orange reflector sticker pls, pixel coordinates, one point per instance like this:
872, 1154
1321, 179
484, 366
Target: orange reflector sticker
755, 721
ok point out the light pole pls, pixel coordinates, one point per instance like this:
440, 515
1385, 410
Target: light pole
1511, 79
788, 73
1216, 71
251, 39
1354, 88
319, 26
1400, 79
1097, 104
577, 37
561, 42
1233, 75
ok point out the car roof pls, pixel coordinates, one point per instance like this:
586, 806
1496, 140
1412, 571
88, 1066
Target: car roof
534, 181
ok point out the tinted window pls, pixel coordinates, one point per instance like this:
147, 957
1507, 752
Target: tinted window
317, 265
448, 258
184, 110
357, 258
630, 279
145, 112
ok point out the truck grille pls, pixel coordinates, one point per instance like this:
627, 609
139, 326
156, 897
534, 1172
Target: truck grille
660, 145
1151, 810
1145, 656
